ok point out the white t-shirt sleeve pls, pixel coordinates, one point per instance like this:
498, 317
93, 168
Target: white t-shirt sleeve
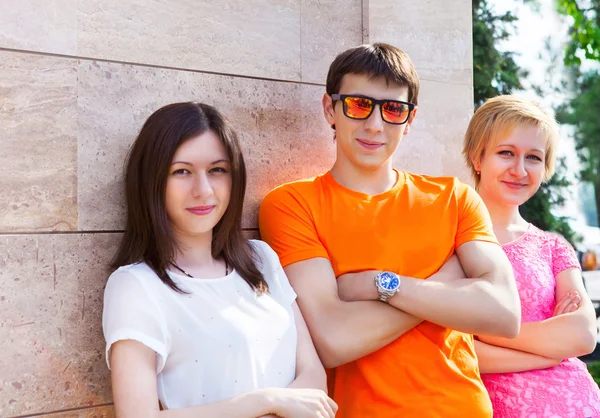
279, 285
130, 313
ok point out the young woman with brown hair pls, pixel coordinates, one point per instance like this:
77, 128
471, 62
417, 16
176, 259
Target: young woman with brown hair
196, 317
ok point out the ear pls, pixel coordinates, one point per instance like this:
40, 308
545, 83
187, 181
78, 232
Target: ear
328, 110
411, 118
476, 163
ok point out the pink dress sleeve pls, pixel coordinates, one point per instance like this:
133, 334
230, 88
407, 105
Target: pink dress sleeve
563, 256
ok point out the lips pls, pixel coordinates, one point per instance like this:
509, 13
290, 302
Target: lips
370, 145
516, 186
201, 210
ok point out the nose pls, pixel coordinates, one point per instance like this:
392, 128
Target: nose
518, 168
202, 186
374, 123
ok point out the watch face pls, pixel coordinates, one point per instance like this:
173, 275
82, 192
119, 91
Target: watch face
389, 281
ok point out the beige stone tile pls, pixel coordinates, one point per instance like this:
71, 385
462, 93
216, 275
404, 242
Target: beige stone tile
94, 412
51, 289
43, 26
251, 234
434, 144
436, 34
39, 143
327, 29
257, 37
282, 130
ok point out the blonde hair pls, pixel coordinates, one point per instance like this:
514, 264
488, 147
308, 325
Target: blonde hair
497, 118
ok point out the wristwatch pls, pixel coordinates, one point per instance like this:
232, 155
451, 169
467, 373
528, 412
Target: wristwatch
387, 284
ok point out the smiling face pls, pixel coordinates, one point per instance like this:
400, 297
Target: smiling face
366, 144
198, 185
512, 168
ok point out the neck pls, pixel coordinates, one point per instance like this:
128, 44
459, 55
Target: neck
369, 181
194, 251
504, 217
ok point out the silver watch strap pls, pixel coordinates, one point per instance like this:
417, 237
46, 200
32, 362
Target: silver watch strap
384, 296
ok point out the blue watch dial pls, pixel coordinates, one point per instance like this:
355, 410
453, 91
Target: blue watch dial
389, 281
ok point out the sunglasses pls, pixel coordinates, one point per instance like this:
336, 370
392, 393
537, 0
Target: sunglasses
395, 112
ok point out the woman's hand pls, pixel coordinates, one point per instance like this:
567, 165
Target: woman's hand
301, 403
569, 303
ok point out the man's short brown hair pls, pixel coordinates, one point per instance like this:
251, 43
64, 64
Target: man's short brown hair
376, 60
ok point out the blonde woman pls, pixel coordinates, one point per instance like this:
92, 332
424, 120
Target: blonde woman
510, 146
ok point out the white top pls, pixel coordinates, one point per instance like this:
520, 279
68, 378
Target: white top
219, 341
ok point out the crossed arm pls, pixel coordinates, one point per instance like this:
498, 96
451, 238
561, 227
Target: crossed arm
570, 332
342, 324
342, 331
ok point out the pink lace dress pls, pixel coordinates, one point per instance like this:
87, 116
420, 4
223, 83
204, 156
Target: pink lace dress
563, 391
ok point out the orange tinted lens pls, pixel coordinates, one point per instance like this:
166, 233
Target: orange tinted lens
358, 107
395, 112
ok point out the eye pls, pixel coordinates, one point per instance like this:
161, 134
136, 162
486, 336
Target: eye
396, 107
506, 153
218, 170
360, 102
534, 157
181, 171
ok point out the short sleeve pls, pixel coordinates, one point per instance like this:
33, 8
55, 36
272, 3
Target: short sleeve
279, 285
474, 222
563, 256
286, 224
130, 314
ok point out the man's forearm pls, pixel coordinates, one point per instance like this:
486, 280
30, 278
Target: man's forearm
470, 305
351, 330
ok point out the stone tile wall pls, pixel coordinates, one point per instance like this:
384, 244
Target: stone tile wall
77, 80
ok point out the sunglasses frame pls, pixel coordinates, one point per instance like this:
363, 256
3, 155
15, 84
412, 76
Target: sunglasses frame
342, 98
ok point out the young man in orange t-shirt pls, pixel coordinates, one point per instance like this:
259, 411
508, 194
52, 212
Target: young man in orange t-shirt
358, 241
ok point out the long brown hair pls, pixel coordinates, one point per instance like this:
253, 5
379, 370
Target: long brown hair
148, 233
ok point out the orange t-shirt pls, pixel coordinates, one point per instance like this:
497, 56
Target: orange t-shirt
412, 229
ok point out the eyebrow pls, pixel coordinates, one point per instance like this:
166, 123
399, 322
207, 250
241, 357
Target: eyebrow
512, 146
213, 163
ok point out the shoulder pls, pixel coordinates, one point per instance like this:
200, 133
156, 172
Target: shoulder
560, 243
553, 244
132, 278
270, 267
551, 239
434, 188
266, 255
558, 250
296, 190
433, 184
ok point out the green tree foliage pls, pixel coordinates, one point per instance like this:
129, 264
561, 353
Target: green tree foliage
584, 31
495, 72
